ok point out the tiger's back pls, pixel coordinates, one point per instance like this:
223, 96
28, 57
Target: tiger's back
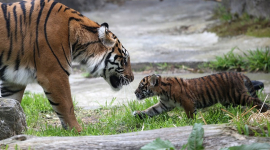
28, 30
225, 88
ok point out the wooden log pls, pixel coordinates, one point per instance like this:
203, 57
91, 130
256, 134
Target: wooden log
215, 137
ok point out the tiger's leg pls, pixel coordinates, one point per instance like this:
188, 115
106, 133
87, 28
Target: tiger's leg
189, 107
12, 90
154, 110
57, 89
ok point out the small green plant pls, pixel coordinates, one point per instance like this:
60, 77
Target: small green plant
86, 75
3, 147
258, 60
229, 61
162, 66
159, 144
107, 105
222, 13
195, 141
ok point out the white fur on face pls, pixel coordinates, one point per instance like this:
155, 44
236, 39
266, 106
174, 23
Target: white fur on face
93, 62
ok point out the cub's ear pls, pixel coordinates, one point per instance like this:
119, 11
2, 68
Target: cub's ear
105, 36
154, 80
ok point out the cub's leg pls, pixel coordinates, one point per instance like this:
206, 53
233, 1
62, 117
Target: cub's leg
57, 89
12, 90
246, 99
154, 110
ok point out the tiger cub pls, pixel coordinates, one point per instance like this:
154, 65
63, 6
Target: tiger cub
226, 88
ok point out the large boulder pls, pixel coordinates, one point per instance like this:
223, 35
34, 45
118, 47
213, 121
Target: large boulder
256, 8
12, 118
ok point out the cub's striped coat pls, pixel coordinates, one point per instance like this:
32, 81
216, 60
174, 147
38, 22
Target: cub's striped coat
40, 39
225, 88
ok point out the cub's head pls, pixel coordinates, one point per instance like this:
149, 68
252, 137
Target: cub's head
148, 87
117, 69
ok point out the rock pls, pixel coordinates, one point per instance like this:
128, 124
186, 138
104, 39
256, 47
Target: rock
237, 7
12, 118
256, 8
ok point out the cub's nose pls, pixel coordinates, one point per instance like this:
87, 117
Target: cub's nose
136, 93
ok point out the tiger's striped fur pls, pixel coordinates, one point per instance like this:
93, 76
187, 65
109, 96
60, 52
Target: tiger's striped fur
225, 88
40, 39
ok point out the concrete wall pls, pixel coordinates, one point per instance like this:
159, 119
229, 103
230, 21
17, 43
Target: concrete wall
257, 8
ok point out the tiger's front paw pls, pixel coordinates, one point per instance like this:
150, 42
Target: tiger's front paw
139, 114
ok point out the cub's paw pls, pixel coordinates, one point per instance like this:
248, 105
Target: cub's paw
139, 114
264, 108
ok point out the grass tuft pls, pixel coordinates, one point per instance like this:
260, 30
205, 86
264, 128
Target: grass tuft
258, 60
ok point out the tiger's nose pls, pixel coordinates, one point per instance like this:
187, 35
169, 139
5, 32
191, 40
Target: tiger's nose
130, 77
136, 93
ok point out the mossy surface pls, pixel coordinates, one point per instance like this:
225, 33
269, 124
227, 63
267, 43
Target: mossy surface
250, 27
233, 25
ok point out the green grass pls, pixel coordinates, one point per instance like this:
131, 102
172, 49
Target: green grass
257, 60
115, 120
222, 13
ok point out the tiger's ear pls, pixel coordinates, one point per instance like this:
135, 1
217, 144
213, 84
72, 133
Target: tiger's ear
105, 36
154, 80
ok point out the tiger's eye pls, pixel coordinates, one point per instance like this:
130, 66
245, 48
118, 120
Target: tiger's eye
143, 80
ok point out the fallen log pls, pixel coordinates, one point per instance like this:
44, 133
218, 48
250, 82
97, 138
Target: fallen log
215, 137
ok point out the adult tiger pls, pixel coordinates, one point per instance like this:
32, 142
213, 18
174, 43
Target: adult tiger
40, 39
226, 88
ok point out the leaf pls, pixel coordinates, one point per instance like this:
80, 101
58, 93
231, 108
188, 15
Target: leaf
195, 139
254, 146
159, 144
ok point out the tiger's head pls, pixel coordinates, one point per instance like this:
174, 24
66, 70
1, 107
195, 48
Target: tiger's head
148, 87
117, 69
104, 56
